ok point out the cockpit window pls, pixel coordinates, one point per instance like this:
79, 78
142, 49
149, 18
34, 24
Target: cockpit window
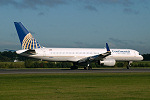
136, 53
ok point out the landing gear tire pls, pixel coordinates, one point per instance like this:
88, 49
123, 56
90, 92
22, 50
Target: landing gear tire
128, 66
87, 67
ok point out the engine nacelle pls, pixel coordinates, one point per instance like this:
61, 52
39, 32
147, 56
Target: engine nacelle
108, 62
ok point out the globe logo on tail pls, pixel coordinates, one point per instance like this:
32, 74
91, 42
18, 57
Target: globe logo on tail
29, 42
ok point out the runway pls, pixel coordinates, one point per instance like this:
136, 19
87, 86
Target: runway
46, 71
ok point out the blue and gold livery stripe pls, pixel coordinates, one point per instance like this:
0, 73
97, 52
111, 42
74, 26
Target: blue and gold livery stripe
29, 42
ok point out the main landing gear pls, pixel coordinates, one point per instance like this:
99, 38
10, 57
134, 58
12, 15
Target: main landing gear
88, 67
75, 66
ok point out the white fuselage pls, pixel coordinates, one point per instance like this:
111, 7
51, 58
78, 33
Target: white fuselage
75, 54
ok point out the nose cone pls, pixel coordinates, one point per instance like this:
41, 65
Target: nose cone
140, 57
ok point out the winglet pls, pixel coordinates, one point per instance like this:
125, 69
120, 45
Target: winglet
107, 47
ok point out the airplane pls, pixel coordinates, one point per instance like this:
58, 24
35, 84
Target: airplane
104, 56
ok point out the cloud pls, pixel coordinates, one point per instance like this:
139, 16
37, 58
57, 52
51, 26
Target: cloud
12, 45
88, 4
130, 11
41, 13
48, 3
33, 4
125, 42
130, 44
111, 2
94, 5
80, 44
91, 5
118, 41
91, 8
7, 2
32, 32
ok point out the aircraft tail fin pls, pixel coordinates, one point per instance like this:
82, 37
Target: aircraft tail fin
26, 39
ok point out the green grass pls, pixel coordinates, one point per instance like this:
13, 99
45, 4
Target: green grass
91, 86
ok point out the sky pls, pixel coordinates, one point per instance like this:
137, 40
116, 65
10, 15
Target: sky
123, 24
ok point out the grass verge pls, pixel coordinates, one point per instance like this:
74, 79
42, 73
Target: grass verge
89, 86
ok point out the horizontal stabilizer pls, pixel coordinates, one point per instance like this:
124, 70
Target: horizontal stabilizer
30, 52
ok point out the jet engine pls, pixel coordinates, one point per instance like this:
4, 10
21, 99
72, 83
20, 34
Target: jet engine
108, 62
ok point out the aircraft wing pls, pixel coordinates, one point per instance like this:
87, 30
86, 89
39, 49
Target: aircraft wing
96, 57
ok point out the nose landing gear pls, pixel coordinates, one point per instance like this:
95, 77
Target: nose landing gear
129, 64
